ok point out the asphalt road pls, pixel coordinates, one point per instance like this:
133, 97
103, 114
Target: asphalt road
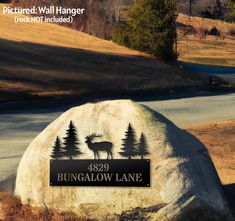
227, 73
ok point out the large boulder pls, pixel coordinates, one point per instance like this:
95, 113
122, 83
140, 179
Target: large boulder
184, 182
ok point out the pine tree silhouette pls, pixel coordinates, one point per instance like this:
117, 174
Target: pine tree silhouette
71, 142
142, 147
129, 143
57, 149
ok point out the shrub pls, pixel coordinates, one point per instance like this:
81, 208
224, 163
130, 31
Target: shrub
14, 210
214, 31
232, 32
121, 34
150, 27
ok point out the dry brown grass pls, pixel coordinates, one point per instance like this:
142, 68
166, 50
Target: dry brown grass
205, 23
210, 50
33, 89
13, 210
219, 138
192, 49
55, 35
47, 60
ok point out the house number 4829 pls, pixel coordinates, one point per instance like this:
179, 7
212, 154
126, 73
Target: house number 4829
98, 167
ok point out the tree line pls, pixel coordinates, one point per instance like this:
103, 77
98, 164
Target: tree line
70, 145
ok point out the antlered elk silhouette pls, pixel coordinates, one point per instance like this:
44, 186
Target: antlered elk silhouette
97, 147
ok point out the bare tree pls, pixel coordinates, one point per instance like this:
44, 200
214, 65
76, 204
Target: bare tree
190, 7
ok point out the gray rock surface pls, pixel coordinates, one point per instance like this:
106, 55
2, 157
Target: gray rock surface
183, 178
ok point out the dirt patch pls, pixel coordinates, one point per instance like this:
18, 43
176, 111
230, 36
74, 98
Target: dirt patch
219, 138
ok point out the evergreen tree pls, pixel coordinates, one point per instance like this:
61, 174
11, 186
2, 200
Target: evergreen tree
142, 148
121, 34
129, 143
150, 27
71, 142
57, 149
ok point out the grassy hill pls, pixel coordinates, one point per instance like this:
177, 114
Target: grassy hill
48, 59
197, 48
